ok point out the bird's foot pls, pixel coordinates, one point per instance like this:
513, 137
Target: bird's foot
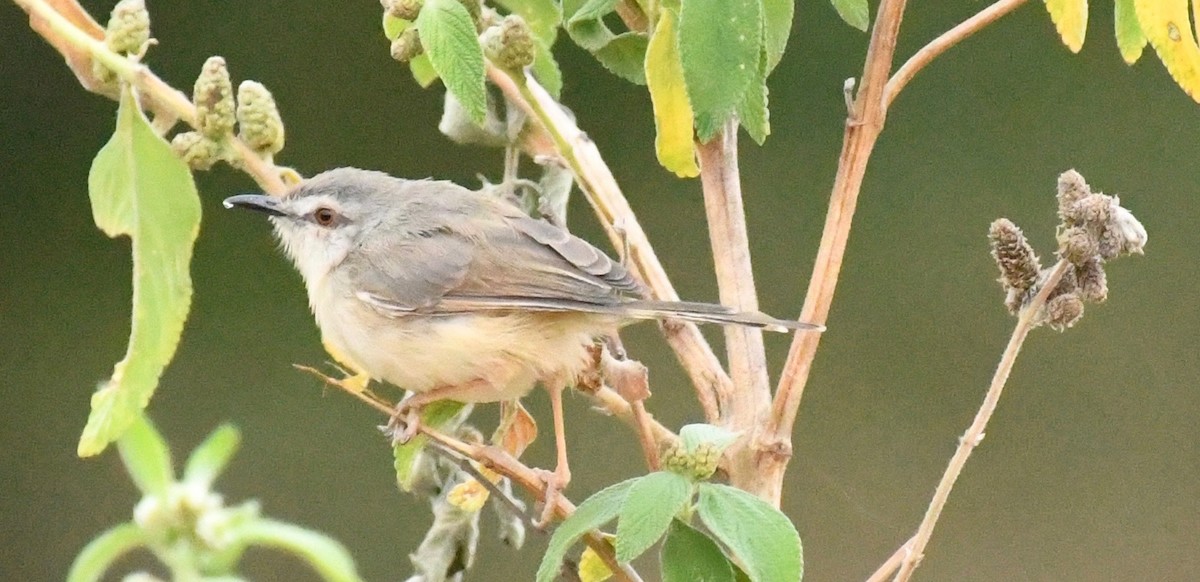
404, 423
556, 481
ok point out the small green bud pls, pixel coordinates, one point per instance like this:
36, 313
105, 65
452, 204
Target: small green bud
706, 458
510, 44
213, 96
129, 27
407, 46
259, 123
406, 9
197, 150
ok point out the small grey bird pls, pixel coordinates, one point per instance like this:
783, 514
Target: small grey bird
455, 294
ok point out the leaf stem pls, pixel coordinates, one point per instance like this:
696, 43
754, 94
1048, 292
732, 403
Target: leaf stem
596, 181
158, 92
940, 44
975, 432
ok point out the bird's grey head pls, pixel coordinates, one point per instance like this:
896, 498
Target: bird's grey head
325, 217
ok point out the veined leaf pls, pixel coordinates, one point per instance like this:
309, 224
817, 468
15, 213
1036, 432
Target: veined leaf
585, 22
752, 111
545, 69
1168, 28
438, 414
1130, 39
139, 189
1070, 18
448, 35
690, 556
854, 12
591, 514
542, 16
651, 505
720, 42
625, 56
668, 93
777, 26
760, 538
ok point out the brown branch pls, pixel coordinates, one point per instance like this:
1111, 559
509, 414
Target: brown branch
975, 432
64, 34
620, 223
749, 403
939, 45
881, 574
862, 129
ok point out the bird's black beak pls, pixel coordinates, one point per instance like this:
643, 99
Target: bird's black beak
267, 204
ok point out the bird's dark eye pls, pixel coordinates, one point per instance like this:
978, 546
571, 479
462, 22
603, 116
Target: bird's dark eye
324, 216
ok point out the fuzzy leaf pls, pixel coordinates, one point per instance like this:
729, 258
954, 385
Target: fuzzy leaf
139, 189
585, 22
1130, 39
694, 435
437, 415
205, 463
625, 56
448, 35
690, 556
760, 538
752, 111
392, 26
672, 111
854, 12
146, 457
652, 503
542, 16
591, 514
422, 70
545, 69
1168, 28
720, 42
1070, 18
777, 27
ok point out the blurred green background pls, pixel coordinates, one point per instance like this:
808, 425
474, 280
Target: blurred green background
1091, 468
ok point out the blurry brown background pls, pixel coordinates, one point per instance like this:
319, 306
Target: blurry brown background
1091, 468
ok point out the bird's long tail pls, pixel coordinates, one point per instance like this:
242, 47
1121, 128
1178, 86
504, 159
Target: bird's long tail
712, 313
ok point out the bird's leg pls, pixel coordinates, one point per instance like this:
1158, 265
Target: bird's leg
355, 380
558, 479
406, 419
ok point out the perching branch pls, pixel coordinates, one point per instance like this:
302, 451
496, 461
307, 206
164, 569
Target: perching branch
605, 196
61, 33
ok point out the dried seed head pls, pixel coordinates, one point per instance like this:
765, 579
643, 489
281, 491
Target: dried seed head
129, 27
1063, 311
196, 149
407, 46
259, 124
1093, 210
405, 9
213, 96
1093, 283
510, 44
1077, 245
1019, 264
1071, 189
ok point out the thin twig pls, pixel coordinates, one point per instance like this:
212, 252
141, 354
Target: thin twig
939, 45
150, 85
862, 130
602, 192
975, 432
885, 570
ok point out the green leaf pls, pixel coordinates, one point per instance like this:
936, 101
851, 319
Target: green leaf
720, 42
690, 556
393, 26
1130, 38
777, 26
585, 22
138, 188
653, 501
625, 56
448, 35
146, 457
668, 93
205, 463
437, 415
542, 16
546, 71
760, 538
1070, 18
854, 12
100, 553
328, 557
752, 111
422, 70
694, 435
591, 514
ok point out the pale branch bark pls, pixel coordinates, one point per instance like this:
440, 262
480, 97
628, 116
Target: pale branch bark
862, 129
747, 406
940, 44
974, 435
164, 98
620, 223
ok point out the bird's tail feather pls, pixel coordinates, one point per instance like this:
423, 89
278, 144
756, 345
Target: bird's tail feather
713, 313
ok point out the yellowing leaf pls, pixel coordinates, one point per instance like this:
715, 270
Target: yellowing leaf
138, 188
591, 567
468, 496
516, 430
668, 93
1130, 39
1070, 18
1168, 28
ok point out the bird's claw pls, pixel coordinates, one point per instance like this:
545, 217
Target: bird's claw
404, 424
555, 483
